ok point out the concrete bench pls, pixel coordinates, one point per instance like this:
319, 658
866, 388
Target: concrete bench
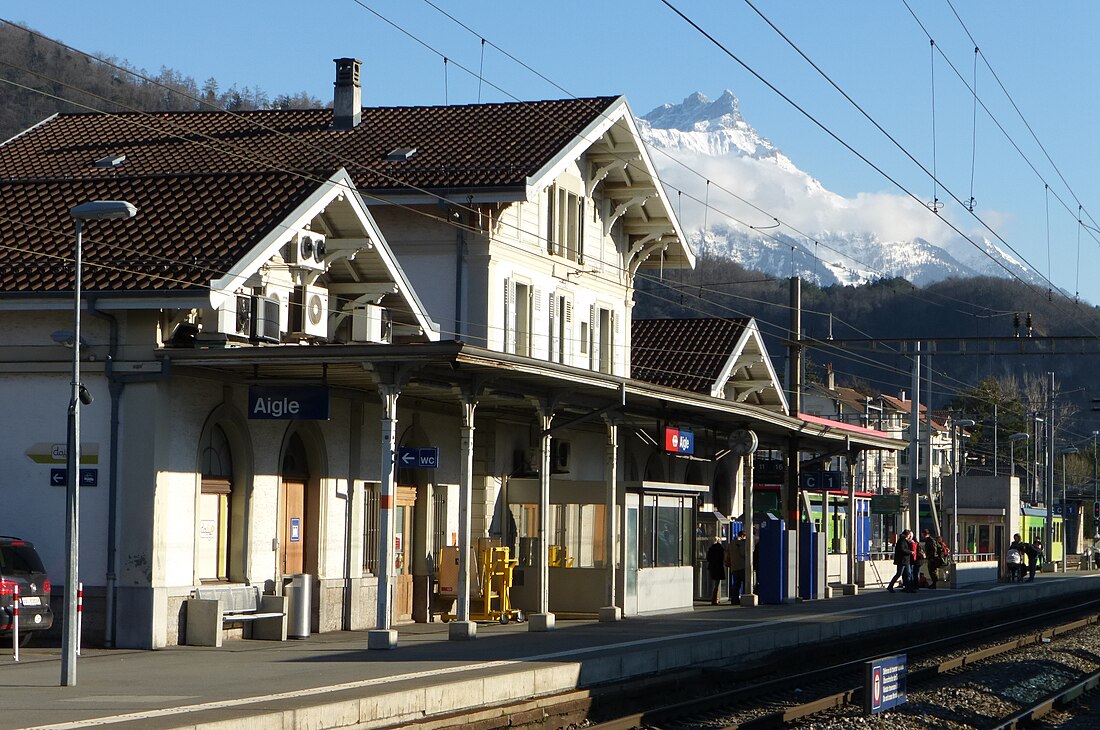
264, 617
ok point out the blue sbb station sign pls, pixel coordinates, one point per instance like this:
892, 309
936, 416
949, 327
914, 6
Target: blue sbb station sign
680, 442
884, 683
418, 457
288, 403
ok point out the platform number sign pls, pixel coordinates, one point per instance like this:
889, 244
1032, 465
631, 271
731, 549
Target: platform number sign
884, 683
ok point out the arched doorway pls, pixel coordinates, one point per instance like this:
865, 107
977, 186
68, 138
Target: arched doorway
299, 511
214, 511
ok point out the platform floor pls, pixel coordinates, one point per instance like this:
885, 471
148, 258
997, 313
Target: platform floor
332, 679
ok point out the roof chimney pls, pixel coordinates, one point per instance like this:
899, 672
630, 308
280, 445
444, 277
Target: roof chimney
830, 379
347, 99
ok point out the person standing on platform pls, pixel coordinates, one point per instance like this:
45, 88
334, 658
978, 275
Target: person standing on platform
932, 556
903, 559
1034, 554
918, 560
735, 559
716, 566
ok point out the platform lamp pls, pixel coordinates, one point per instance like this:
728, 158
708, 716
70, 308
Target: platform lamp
1064, 452
961, 423
96, 210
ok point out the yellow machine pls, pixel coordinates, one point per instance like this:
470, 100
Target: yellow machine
491, 582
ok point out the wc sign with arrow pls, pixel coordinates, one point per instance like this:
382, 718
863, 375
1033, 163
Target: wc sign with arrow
418, 457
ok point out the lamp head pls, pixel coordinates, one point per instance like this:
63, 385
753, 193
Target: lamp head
101, 210
1019, 437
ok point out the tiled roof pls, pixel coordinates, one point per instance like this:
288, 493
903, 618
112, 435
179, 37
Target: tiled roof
209, 185
462, 146
682, 353
189, 229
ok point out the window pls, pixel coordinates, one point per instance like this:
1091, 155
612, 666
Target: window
565, 224
215, 493
561, 328
603, 351
666, 531
370, 528
517, 317
578, 537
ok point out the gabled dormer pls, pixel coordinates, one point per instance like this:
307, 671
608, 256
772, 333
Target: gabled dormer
322, 274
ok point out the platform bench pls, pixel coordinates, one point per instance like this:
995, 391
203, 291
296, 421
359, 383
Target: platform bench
263, 617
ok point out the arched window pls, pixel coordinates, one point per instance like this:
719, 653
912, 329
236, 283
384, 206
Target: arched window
214, 511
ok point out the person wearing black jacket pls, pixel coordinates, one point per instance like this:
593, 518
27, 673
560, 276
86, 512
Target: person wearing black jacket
903, 558
932, 555
716, 567
1034, 553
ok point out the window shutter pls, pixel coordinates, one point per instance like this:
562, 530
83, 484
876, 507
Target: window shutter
580, 232
616, 355
509, 344
554, 355
536, 299
550, 222
594, 333
567, 333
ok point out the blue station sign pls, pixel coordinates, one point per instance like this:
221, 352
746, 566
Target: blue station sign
288, 403
418, 457
884, 683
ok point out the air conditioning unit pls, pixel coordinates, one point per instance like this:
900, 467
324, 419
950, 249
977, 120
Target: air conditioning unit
309, 311
307, 249
235, 316
265, 319
282, 294
369, 323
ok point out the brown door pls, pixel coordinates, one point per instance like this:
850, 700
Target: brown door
403, 540
293, 538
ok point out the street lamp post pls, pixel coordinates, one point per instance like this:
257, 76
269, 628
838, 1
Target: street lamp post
1095, 522
96, 210
1012, 449
961, 423
1064, 452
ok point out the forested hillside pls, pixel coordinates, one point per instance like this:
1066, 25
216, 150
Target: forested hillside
39, 77
893, 308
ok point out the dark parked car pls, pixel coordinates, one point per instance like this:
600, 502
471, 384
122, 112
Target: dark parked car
20, 566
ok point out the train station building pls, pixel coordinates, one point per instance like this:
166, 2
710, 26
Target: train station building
332, 343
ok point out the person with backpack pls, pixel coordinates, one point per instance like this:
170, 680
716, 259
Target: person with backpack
903, 559
932, 556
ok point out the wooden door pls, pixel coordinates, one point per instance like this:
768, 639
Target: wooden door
403, 542
293, 533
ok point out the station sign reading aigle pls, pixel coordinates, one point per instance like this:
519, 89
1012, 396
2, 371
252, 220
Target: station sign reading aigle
288, 402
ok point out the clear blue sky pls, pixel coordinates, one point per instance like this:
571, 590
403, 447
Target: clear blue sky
1046, 54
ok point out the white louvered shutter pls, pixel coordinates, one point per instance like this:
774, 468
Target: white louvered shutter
594, 333
567, 332
554, 341
509, 316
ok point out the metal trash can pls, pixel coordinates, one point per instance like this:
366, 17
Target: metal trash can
296, 588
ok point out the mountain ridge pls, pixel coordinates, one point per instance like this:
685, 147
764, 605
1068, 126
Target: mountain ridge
715, 135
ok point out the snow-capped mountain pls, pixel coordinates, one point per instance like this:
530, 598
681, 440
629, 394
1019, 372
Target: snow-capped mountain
752, 183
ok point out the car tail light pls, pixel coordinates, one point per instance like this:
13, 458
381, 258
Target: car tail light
46, 586
17, 543
7, 587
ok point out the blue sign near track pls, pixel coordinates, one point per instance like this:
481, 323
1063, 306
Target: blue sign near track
884, 683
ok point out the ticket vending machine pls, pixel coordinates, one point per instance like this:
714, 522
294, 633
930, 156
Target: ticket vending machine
771, 573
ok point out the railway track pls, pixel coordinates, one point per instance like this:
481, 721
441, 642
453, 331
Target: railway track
787, 699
